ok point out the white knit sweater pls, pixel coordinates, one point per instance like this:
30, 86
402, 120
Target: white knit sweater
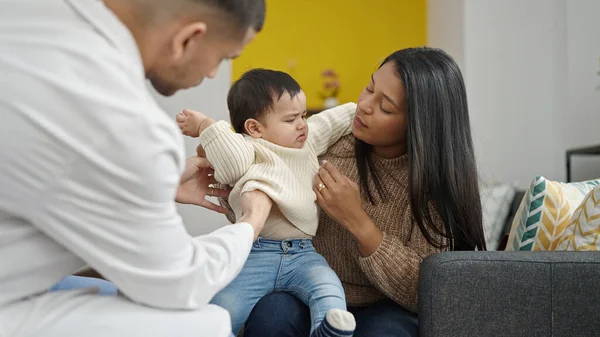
284, 174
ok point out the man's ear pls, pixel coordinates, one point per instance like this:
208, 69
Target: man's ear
253, 128
187, 37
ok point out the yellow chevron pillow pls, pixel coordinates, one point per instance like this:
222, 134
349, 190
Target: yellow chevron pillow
545, 213
584, 228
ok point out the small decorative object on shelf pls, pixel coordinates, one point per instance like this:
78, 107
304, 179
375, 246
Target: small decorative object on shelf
331, 88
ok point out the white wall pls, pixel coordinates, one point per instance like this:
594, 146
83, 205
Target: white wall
511, 73
581, 120
529, 67
211, 99
446, 27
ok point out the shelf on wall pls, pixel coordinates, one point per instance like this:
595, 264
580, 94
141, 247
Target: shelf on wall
582, 151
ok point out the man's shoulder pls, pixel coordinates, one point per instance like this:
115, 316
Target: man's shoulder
78, 41
71, 79
76, 64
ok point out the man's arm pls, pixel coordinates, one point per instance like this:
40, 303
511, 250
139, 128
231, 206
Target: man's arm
114, 208
256, 207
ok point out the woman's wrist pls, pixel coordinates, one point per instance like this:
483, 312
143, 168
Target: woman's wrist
367, 235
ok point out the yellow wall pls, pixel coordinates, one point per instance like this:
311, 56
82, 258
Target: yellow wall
304, 37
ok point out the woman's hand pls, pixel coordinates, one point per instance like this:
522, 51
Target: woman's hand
195, 183
339, 197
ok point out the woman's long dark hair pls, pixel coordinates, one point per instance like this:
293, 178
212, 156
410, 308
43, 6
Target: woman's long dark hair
441, 157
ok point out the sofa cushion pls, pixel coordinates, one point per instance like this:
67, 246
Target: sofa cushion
584, 227
545, 213
502, 294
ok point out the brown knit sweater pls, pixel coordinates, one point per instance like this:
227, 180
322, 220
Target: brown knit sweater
393, 270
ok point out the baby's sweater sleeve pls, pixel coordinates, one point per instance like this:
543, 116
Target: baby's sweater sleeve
228, 152
327, 127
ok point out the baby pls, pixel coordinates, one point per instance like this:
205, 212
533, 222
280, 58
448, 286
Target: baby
273, 151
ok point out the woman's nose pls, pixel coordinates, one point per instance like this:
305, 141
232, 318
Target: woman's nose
366, 106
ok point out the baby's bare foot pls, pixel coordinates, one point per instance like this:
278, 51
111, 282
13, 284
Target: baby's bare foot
189, 122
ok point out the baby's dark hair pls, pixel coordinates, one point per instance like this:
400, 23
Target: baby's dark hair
253, 95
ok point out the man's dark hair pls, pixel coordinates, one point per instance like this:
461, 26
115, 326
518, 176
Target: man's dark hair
244, 13
253, 95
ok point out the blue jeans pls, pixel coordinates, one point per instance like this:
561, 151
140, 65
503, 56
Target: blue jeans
79, 282
292, 266
282, 315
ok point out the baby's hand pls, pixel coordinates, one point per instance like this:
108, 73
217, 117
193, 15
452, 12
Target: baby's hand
192, 123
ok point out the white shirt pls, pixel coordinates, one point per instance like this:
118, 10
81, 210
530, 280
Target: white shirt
89, 165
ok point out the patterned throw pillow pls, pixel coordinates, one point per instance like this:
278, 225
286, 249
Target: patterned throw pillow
584, 228
545, 213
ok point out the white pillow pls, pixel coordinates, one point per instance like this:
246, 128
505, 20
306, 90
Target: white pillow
495, 203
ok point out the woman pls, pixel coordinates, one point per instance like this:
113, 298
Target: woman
403, 186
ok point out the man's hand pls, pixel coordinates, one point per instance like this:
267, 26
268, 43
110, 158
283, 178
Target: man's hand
200, 151
194, 185
256, 207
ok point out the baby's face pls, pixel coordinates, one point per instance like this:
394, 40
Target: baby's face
286, 124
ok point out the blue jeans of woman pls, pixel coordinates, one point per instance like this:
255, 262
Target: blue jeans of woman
292, 266
283, 315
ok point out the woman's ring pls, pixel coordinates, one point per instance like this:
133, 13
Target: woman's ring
321, 186
212, 192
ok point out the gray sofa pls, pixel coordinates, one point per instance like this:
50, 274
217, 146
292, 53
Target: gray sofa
488, 294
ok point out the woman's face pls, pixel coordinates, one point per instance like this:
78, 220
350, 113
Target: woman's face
381, 115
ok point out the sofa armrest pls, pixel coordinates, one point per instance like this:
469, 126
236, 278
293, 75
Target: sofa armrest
509, 294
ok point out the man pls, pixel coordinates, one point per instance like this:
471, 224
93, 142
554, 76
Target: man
90, 165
